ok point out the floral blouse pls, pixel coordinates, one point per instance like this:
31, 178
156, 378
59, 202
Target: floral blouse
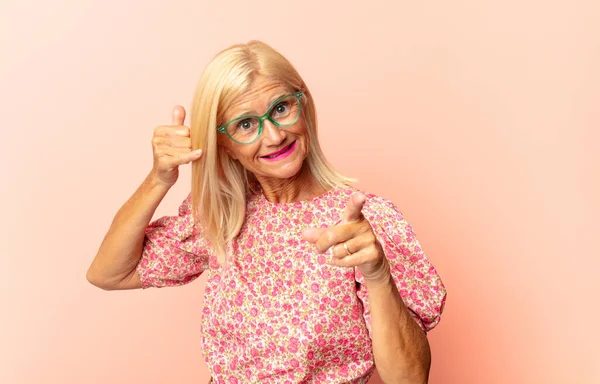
278, 313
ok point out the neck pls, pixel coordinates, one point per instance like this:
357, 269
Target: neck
302, 186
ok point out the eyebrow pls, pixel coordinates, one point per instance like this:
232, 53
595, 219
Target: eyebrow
253, 112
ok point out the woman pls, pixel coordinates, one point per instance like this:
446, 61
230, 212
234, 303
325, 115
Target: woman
309, 279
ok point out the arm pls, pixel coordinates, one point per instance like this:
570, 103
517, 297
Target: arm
400, 346
401, 293
114, 266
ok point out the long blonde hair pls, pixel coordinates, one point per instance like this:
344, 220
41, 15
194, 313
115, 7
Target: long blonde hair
220, 184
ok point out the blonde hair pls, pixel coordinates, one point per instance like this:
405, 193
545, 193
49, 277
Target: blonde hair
220, 184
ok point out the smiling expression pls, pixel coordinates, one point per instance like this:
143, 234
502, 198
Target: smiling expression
279, 152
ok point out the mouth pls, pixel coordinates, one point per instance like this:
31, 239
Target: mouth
282, 153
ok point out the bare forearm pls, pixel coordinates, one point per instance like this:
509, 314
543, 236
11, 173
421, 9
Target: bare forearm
400, 346
121, 248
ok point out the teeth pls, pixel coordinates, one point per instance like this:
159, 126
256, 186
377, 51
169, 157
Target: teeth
279, 153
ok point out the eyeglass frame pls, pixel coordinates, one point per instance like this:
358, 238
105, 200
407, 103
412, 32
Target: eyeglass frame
223, 128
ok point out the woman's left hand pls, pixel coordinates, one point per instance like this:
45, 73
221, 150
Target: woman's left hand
354, 242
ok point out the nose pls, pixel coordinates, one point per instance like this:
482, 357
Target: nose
273, 135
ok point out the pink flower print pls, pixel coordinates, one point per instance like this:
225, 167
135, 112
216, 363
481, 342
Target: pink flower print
294, 363
288, 264
321, 259
250, 242
347, 299
335, 319
248, 258
298, 277
304, 326
299, 295
233, 363
322, 376
261, 251
284, 330
233, 380
253, 312
315, 287
295, 321
307, 217
404, 250
293, 345
318, 328
239, 299
356, 330
413, 296
238, 317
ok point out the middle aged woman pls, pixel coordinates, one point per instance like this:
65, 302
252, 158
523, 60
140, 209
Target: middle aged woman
309, 279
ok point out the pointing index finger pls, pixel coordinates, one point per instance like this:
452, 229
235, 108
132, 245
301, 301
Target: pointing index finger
354, 208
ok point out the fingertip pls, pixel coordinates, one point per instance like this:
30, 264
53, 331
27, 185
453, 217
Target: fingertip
178, 115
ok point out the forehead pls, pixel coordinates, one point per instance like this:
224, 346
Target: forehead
256, 99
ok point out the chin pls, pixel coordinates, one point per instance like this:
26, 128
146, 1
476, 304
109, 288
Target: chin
288, 170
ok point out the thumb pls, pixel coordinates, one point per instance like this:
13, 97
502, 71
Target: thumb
354, 208
178, 115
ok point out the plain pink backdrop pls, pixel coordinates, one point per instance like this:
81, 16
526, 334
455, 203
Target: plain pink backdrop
479, 119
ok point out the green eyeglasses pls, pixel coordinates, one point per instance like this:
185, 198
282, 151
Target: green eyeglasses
284, 112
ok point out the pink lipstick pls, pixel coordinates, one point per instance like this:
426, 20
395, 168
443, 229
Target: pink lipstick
281, 154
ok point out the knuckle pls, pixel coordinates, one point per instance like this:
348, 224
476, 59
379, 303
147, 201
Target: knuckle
330, 237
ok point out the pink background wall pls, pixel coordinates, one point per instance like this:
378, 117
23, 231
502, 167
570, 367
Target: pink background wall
479, 119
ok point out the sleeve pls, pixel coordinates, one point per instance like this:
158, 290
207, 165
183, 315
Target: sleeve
175, 252
420, 286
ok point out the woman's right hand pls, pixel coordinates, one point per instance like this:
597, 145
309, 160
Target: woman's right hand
171, 147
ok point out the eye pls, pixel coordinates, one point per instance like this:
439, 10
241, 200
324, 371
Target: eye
282, 107
244, 124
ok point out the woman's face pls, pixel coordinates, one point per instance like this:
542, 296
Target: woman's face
290, 142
